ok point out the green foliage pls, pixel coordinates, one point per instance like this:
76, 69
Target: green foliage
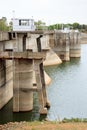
65, 120
10, 25
75, 25
55, 26
3, 24
40, 25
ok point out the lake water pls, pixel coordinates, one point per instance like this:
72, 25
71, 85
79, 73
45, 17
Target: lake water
67, 93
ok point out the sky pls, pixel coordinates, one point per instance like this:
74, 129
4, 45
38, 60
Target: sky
49, 11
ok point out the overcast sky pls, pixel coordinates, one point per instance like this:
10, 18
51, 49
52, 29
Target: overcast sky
49, 11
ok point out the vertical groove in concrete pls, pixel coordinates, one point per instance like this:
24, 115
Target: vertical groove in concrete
15, 86
43, 83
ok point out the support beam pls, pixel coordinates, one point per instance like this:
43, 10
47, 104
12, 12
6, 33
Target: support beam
42, 108
46, 102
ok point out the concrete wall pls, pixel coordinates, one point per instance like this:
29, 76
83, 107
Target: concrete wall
4, 36
6, 82
83, 38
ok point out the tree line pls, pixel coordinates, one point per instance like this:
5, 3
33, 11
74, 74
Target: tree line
40, 25
75, 25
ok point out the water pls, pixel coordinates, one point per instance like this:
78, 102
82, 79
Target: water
67, 93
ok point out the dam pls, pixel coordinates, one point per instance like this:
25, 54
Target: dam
22, 55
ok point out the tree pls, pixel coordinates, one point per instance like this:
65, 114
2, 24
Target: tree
3, 24
40, 25
10, 25
55, 26
76, 25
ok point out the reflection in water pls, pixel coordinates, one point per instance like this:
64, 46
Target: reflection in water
6, 114
67, 93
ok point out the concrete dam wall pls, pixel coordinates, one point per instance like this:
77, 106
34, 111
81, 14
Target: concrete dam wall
22, 57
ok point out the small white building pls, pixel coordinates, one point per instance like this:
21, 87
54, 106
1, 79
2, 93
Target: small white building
23, 24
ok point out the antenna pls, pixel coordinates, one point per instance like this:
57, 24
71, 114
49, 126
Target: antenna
13, 12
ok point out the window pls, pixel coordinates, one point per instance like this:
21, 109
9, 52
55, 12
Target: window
23, 22
19, 22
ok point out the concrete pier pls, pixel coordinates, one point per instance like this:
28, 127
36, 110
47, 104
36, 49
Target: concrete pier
75, 44
23, 79
65, 44
41, 96
60, 45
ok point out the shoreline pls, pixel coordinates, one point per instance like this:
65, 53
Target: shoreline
44, 125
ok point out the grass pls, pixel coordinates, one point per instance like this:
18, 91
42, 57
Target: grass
47, 125
65, 120
65, 124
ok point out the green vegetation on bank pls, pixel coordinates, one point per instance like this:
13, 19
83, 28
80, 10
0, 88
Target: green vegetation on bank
81, 27
65, 120
40, 25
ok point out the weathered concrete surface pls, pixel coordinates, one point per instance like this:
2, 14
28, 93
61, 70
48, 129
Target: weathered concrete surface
22, 59
19, 55
6, 82
47, 78
52, 59
6, 93
62, 41
59, 42
41, 88
4, 36
23, 73
23, 49
31, 42
65, 44
75, 44
83, 38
